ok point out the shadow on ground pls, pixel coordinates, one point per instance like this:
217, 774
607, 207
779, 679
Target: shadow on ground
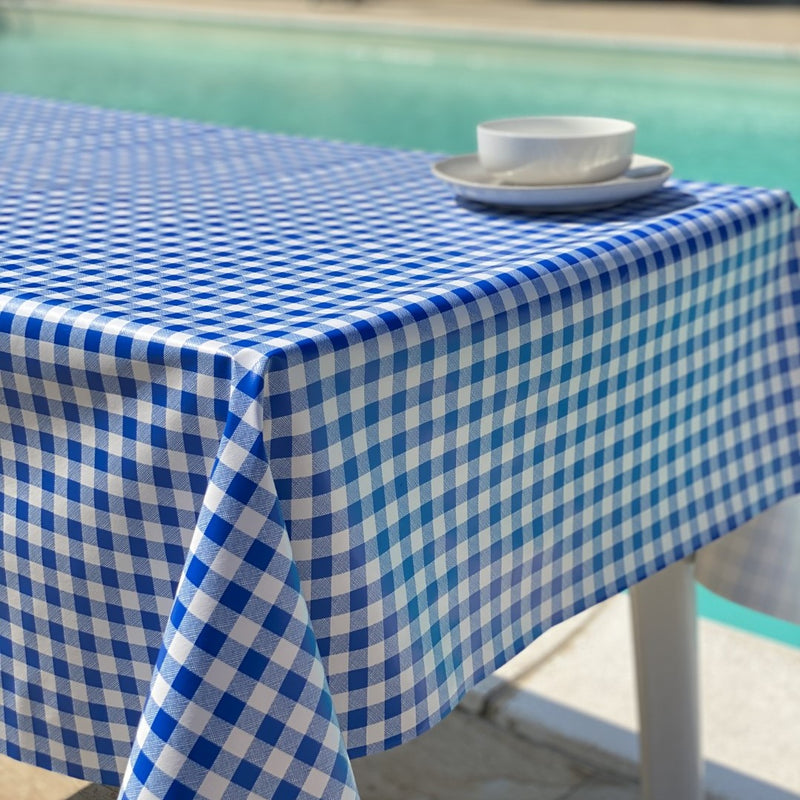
95, 792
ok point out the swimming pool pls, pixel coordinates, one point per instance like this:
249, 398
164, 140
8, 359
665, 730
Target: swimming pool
727, 118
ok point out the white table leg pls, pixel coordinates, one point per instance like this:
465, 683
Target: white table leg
665, 639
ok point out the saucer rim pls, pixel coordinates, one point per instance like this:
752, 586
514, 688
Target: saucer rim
573, 198
519, 188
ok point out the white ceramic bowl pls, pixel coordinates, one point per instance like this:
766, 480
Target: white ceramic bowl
544, 151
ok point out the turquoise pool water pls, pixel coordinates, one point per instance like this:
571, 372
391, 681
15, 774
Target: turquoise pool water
726, 118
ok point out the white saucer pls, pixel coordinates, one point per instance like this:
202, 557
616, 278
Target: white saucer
469, 180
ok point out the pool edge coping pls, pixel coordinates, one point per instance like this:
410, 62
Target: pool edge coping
427, 29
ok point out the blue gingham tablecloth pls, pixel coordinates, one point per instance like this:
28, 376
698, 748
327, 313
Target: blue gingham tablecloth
295, 448
758, 565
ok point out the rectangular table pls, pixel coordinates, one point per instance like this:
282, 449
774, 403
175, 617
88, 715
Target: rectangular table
295, 449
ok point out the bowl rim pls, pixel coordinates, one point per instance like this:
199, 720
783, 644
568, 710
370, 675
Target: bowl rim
608, 127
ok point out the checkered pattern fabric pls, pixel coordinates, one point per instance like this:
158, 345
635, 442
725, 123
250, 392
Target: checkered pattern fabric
759, 564
295, 448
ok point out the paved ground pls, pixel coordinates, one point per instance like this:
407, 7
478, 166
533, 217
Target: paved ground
441, 765
470, 758
741, 24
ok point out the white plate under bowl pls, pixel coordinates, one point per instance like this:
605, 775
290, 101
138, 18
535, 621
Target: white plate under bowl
471, 181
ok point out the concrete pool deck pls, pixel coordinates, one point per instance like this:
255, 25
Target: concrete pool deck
771, 29
559, 722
